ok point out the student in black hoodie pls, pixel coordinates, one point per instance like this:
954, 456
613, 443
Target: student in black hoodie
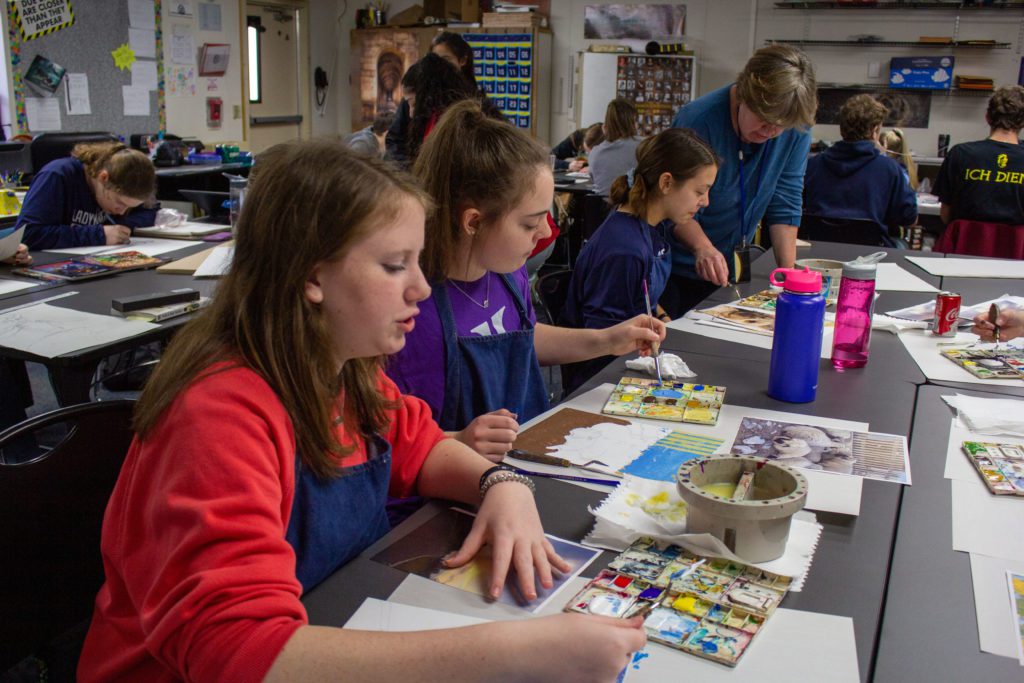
854, 178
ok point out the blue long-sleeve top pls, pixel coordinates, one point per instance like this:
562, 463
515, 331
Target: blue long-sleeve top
773, 175
855, 180
60, 209
607, 280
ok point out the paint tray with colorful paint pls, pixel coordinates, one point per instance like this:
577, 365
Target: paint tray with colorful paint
989, 363
671, 401
1001, 466
709, 607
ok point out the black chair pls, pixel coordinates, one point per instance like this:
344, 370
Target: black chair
16, 157
552, 289
595, 209
52, 510
49, 146
846, 230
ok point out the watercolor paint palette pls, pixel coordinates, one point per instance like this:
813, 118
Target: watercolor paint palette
1001, 466
989, 363
708, 607
671, 401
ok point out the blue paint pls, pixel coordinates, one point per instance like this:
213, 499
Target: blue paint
658, 463
651, 594
639, 657
667, 393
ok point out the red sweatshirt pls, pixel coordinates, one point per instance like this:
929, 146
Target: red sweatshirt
200, 581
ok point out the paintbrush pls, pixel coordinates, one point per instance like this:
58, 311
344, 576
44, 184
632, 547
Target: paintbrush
993, 315
554, 460
569, 477
655, 346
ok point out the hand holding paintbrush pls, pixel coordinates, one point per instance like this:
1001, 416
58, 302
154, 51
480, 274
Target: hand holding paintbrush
999, 326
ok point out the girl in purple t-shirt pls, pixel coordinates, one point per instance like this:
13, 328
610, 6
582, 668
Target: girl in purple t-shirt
476, 351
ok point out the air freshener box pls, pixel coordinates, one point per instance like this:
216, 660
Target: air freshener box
922, 73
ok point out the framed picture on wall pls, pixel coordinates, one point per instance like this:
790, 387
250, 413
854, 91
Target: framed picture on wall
213, 60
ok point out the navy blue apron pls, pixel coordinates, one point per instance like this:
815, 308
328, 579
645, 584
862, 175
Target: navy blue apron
483, 374
334, 520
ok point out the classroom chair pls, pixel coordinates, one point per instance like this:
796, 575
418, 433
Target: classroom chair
847, 231
975, 238
552, 289
16, 157
52, 510
49, 146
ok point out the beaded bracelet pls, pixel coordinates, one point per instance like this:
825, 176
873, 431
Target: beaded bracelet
502, 475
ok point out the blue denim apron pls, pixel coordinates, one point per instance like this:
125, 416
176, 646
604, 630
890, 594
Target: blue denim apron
483, 374
332, 521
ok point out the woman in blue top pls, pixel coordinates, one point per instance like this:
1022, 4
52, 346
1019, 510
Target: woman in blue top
95, 196
669, 185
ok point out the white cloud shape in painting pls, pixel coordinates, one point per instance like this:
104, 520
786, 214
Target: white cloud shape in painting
940, 76
897, 78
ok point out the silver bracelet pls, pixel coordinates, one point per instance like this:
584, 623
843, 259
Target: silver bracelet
503, 476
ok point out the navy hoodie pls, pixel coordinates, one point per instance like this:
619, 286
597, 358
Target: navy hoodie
855, 180
60, 210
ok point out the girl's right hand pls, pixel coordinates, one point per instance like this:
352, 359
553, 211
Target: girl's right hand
491, 435
580, 647
117, 234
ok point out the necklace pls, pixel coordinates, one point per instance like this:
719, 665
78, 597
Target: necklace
487, 295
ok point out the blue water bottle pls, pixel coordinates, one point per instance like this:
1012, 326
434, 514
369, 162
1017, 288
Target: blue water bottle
796, 345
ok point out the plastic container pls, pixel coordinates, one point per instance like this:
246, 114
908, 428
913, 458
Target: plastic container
796, 344
856, 305
203, 158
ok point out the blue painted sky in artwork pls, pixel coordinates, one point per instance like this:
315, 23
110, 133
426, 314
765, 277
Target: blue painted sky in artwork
661, 460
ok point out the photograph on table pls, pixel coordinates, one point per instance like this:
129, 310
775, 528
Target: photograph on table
709, 607
989, 363
757, 321
828, 449
671, 401
1001, 466
422, 552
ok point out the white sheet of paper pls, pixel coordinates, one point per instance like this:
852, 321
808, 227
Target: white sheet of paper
823, 644
43, 113
209, 17
144, 74
183, 49
51, 331
142, 41
150, 246
136, 100
826, 492
10, 242
992, 603
893, 278
77, 92
986, 524
970, 267
141, 14
378, 615
991, 419
924, 348
8, 286
180, 8
217, 263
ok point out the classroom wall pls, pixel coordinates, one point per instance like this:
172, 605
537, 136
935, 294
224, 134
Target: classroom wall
186, 113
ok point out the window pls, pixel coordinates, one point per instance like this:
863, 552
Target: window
254, 27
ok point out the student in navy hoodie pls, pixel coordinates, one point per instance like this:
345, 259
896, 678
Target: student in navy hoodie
96, 196
854, 178
670, 183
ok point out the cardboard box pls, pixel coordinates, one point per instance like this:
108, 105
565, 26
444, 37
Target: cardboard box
514, 20
452, 10
923, 73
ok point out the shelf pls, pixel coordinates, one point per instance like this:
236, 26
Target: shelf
957, 45
954, 6
952, 92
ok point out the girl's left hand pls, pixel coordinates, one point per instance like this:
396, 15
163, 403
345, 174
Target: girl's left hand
641, 333
21, 257
508, 522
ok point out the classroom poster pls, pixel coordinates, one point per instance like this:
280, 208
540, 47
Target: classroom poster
503, 65
386, 54
657, 86
41, 17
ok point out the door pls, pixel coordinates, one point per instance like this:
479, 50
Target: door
276, 73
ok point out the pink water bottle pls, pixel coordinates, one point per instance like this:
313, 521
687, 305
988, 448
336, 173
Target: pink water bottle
854, 308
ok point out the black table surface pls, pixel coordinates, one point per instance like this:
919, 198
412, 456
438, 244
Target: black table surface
930, 629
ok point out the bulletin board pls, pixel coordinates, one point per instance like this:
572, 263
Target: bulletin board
99, 28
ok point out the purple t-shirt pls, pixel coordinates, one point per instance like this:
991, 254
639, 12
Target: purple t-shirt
419, 368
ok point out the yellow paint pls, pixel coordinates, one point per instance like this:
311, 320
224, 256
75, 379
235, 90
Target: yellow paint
724, 489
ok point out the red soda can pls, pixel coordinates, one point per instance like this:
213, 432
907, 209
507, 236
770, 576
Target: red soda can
947, 310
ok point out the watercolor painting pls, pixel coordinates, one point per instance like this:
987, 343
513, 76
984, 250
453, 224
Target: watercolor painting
827, 449
642, 22
661, 460
422, 551
1016, 584
758, 322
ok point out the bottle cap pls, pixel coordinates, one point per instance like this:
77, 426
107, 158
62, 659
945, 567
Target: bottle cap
863, 267
804, 281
